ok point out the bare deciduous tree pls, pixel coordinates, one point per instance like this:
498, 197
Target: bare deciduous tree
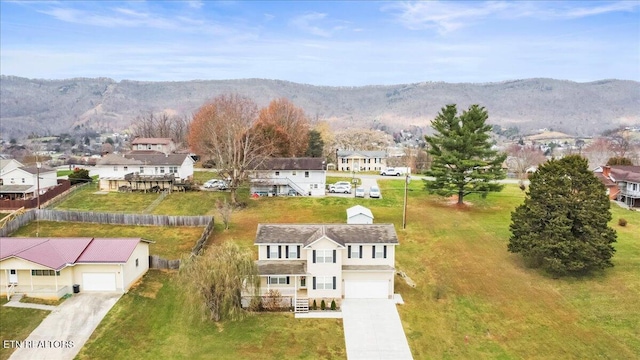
214, 282
221, 130
161, 125
598, 152
361, 139
523, 157
225, 209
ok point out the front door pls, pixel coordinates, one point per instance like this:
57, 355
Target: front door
13, 276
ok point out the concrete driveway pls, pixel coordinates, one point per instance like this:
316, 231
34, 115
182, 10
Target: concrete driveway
63, 333
372, 330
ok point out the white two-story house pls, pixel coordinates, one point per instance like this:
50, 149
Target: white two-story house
361, 160
136, 171
309, 262
163, 145
22, 182
289, 176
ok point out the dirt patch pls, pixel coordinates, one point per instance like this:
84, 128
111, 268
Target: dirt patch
151, 289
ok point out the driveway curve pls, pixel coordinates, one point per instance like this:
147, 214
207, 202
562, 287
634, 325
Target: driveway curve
63, 333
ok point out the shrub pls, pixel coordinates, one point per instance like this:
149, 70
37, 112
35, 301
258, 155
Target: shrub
79, 176
314, 306
622, 222
273, 301
255, 304
323, 306
333, 304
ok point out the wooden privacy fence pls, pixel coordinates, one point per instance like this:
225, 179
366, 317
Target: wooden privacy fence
156, 262
123, 219
18, 222
63, 185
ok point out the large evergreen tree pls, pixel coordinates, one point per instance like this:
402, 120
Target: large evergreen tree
316, 144
463, 161
562, 224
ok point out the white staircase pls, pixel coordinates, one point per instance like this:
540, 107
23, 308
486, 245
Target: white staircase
302, 306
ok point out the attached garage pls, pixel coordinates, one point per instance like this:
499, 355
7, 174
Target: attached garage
366, 289
99, 281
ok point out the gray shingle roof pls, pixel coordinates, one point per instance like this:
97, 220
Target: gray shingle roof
303, 163
280, 267
340, 233
626, 173
143, 159
366, 154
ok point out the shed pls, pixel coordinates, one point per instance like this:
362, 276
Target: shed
359, 215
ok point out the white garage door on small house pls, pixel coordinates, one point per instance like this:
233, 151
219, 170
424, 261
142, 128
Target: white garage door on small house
99, 281
366, 289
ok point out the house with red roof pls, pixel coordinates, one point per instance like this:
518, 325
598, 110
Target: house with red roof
50, 267
622, 183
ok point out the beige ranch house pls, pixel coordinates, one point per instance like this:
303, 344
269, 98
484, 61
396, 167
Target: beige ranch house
48, 268
327, 261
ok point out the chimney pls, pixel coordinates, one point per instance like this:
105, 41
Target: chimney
606, 171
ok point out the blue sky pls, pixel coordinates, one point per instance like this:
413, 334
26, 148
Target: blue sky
322, 43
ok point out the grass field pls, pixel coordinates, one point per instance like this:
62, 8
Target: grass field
86, 199
17, 324
64, 172
149, 323
473, 299
170, 242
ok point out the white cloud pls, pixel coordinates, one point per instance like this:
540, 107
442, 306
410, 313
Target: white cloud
445, 16
195, 4
308, 22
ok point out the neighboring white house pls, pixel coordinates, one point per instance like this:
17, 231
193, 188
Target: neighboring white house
290, 176
163, 145
143, 171
359, 215
49, 267
361, 160
22, 182
7, 165
327, 261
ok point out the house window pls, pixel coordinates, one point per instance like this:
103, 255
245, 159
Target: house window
278, 280
306, 174
634, 187
324, 282
273, 252
293, 173
314, 186
126, 168
303, 282
23, 180
137, 263
45, 273
354, 252
379, 252
324, 256
149, 147
344, 161
161, 169
173, 169
277, 173
293, 252
115, 168
141, 169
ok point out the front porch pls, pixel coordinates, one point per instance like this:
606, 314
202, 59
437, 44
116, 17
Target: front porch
289, 278
39, 291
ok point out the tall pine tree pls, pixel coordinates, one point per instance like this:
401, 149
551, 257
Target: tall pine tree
562, 226
463, 161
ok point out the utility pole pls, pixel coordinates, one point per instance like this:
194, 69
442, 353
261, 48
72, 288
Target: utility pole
404, 208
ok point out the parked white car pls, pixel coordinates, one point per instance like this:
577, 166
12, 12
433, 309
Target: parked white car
390, 172
340, 189
360, 192
341, 184
215, 184
374, 192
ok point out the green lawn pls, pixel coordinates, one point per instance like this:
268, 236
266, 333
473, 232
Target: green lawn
149, 323
170, 242
64, 172
17, 324
473, 299
85, 199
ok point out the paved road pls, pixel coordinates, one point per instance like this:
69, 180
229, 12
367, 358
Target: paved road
63, 333
372, 330
413, 177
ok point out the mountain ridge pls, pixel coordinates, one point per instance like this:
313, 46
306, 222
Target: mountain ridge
50, 106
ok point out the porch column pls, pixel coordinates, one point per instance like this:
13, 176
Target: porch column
295, 292
268, 283
31, 278
55, 275
122, 275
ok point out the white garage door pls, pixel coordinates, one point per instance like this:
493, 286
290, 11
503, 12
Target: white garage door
366, 289
98, 282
